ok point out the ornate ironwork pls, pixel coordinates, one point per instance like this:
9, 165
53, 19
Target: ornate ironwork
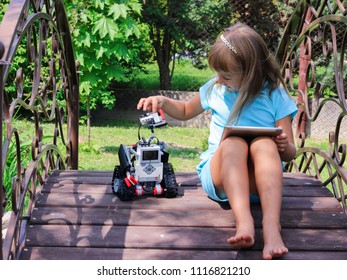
313, 54
38, 78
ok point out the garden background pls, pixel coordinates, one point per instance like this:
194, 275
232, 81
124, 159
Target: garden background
127, 49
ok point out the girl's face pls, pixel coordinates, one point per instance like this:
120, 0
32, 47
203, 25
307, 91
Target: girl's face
230, 80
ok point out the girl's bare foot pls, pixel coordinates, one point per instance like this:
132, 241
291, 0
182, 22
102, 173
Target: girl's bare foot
273, 244
269, 254
244, 237
240, 241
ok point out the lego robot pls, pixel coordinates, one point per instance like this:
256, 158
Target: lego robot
144, 168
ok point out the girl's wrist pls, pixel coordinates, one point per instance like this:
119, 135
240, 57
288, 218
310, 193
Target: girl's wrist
289, 153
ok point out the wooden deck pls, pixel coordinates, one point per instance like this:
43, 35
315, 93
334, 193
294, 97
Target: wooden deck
78, 217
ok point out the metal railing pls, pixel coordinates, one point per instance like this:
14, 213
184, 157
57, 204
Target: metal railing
38, 79
44, 85
313, 53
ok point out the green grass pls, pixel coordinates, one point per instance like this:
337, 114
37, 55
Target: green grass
186, 77
183, 144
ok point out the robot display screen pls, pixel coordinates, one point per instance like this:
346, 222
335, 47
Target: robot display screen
150, 155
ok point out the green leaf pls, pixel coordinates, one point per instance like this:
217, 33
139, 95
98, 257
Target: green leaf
130, 27
80, 59
101, 52
84, 18
100, 4
136, 7
93, 64
115, 72
120, 50
114, 11
86, 40
107, 99
118, 10
85, 87
136, 31
93, 80
105, 26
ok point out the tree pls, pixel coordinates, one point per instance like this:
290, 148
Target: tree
178, 26
190, 27
106, 37
107, 43
267, 17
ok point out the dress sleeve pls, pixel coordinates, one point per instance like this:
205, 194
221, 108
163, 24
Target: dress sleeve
284, 105
205, 92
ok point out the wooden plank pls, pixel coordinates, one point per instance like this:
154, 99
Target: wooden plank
296, 255
78, 176
149, 217
202, 218
78, 253
183, 178
104, 180
183, 175
60, 187
313, 203
107, 189
112, 201
304, 191
108, 173
78, 173
186, 202
299, 180
109, 236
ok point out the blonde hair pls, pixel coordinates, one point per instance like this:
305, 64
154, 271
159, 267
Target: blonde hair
251, 58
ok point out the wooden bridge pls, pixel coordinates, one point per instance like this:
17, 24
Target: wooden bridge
76, 216
71, 214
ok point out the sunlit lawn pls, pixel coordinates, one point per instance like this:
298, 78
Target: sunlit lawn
183, 144
186, 77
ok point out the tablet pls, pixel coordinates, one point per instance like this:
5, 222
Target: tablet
250, 131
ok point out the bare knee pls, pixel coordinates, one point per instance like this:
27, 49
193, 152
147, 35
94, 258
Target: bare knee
232, 153
234, 146
266, 161
264, 149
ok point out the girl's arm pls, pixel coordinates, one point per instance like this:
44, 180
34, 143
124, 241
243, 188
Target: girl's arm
180, 110
285, 141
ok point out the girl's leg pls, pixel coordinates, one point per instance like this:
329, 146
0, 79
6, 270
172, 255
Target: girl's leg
230, 176
268, 178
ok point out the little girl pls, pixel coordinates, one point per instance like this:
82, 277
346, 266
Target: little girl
247, 91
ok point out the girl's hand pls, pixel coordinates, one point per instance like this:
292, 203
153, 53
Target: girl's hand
177, 109
152, 103
281, 142
285, 141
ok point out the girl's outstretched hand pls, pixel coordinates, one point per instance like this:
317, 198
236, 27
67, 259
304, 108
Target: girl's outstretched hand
152, 103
